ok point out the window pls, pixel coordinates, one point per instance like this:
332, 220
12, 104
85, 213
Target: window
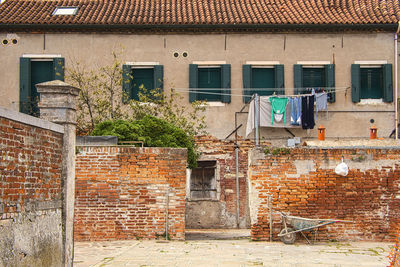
202, 180
141, 79
210, 83
371, 82
262, 77
310, 76
35, 70
66, 10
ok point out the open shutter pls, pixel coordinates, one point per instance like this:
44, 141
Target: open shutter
246, 83
226, 83
193, 82
280, 79
355, 83
58, 68
159, 79
298, 78
25, 85
330, 81
158, 76
387, 83
127, 82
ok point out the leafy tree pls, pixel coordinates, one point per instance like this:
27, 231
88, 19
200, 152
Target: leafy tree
152, 131
102, 98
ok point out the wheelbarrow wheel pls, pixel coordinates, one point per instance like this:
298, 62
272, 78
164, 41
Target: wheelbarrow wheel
289, 238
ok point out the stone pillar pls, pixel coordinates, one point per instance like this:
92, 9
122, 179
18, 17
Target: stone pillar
58, 105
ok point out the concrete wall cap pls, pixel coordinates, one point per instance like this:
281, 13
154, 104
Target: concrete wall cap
57, 86
29, 120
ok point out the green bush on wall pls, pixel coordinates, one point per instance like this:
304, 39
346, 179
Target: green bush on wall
152, 131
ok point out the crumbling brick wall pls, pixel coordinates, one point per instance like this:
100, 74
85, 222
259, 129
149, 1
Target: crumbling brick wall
30, 191
302, 182
222, 213
121, 193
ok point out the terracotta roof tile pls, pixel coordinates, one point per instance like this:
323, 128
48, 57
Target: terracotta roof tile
209, 12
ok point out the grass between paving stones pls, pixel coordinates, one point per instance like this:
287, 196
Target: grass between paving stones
346, 248
106, 260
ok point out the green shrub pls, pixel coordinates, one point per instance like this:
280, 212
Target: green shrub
152, 131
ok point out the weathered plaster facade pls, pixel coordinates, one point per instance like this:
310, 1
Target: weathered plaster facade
341, 49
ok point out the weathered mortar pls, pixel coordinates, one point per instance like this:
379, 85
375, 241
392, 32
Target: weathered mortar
302, 182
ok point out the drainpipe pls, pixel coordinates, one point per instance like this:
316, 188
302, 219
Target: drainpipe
257, 118
237, 184
396, 56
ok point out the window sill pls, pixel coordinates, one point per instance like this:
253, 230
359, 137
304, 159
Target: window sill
147, 104
369, 101
213, 104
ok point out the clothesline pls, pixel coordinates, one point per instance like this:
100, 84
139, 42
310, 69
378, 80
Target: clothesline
198, 91
269, 89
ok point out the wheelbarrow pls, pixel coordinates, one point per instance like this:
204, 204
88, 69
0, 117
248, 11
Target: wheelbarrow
300, 225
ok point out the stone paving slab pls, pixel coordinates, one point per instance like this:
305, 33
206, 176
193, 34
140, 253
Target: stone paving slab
239, 253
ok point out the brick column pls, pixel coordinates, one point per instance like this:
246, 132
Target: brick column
58, 105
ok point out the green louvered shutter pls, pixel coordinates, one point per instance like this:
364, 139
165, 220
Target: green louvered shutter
355, 83
226, 83
280, 79
246, 83
25, 85
159, 78
298, 78
330, 81
193, 82
58, 67
387, 83
126, 82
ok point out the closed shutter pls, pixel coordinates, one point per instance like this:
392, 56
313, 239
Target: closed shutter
280, 79
246, 83
126, 82
193, 82
226, 83
58, 67
387, 83
298, 78
25, 85
355, 83
330, 81
209, 82
142, 82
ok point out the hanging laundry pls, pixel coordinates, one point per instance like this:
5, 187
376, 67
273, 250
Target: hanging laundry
321, 103
295, 111
278, 108
265, 108
307, 112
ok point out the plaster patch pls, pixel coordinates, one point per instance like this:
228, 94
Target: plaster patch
363, 165
303, 167
254, 200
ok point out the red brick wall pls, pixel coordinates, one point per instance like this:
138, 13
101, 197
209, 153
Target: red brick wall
303, 183
30, 166
121, 193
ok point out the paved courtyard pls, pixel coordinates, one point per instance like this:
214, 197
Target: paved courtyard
235, 252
